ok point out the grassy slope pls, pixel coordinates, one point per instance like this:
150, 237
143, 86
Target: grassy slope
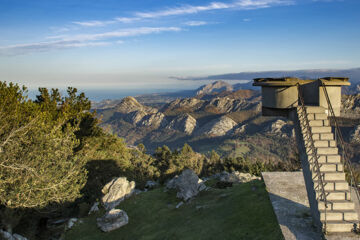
241, 212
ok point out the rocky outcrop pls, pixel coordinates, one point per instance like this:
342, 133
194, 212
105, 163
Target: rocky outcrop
187, 184
240, 129
154, 120
135, 117
116, 191
130, 104
183, 105
184, 123
227, 105
351, 104
355, 135
113, 219
237, 177
218, 127
281, 128
218, 86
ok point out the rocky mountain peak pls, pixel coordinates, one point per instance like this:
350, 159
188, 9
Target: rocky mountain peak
130, 104
218, 86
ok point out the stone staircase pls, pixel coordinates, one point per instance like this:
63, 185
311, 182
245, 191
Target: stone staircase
340, 213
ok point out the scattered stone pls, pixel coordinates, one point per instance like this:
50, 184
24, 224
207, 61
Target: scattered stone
94, 208
179, 204
137, 191
19, 237
116, 191
71, 222
201, 184
8, 236
151, 184
187, 184
113, 219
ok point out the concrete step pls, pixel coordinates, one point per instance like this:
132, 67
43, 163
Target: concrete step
331, 167
323, 136
334, 185
339, 215
320, 130
327, 150
318, 123
324, 143
329, 176
336, 195
323, 151
334, 176
339, 227
337, 205
317, 116
315, 109
329, 158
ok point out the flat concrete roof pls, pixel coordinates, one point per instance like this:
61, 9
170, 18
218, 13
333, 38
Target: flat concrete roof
290, 81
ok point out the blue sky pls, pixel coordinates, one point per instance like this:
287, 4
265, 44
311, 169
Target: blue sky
131, 44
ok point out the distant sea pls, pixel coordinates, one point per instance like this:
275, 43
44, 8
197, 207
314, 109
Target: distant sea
98, 95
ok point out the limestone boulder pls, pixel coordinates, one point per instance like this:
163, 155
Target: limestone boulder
187, 184
113, 219
116, 191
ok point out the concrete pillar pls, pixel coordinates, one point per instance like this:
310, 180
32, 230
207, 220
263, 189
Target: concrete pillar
334, 93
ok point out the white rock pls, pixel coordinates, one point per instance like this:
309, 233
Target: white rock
116, 191
8, 236
187, 185
179, 204
113, 219
94, 208
71, 222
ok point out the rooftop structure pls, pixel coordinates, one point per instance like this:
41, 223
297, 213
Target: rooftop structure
280, 95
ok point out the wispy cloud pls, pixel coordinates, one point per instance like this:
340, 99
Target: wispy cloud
190, 9
81, 40
94, 23
117, 34
21, 49
196, 23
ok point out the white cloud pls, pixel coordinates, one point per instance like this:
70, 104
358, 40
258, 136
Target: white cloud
190, 9
117, 34
196, 23
21, 49
94, 23
81, 40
